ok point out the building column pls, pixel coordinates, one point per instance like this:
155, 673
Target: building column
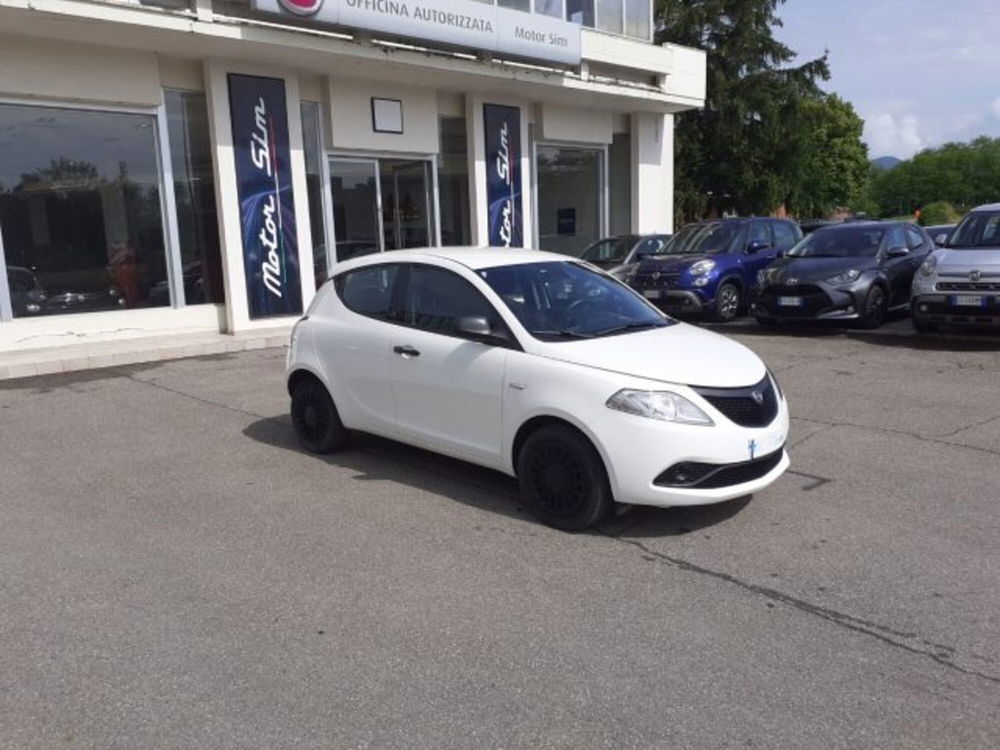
652, 173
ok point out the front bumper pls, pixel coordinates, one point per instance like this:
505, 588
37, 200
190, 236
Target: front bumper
812, 302
949, 309
677, 300
652, 448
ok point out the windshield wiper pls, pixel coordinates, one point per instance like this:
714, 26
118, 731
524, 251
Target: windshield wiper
563, 334
631, 327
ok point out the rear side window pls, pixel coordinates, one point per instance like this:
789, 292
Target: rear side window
368, 290
784, 235
436, 298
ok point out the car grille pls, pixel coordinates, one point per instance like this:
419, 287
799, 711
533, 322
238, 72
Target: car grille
814, 300
691, 474
739, 405
663, 280
968, 286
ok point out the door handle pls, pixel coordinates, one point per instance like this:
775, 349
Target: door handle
406, 351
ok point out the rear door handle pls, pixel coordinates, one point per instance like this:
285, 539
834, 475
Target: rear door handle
406, 351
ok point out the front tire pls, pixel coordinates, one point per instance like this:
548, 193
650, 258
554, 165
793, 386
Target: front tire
875, 306
315, 419
728, 301
562, 479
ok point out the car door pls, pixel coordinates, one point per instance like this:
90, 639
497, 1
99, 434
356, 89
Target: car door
759, 232
354, 346
448, 389
898, 271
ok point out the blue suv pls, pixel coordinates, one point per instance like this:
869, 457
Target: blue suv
710, 267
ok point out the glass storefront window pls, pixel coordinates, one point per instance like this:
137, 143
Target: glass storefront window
80, 209
453, 182
549, 8
637, 18
194, 195
581, 12
524, 5
354, 185
609, 15
570, 198
312, 151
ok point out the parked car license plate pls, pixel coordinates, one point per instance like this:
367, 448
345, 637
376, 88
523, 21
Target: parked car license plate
652, 293
790, 301
967, 300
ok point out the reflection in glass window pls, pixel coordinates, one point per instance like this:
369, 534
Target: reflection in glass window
581, 12
637, 18
311, 147
569, 198
194, 194
368, 291
524, 5
453, 182
435, 299
80, 208
552, 8
609, 15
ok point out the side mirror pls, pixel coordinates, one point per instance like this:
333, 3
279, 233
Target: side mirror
941, 239
642, 255
478, 328
755, 246
897, 252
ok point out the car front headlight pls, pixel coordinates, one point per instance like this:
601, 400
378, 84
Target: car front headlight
929, 266
702, 267
663, 405
844, 278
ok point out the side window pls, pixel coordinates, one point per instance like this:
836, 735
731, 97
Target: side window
784, 235
895, 238
436, 298
368, 290
760, 232
914, 237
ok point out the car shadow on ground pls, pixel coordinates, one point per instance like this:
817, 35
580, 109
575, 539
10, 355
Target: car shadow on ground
375, 458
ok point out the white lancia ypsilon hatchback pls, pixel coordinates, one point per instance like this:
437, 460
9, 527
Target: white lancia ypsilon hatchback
540, 366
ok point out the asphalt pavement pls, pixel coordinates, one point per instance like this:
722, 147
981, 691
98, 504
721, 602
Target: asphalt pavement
175, 573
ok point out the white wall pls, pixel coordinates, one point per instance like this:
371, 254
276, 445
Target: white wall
652, 173
351, 117
559, 123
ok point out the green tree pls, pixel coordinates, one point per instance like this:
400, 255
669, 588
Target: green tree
745, 151
833, 168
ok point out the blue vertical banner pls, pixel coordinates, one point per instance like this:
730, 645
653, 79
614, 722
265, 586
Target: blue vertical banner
264, 188
503, 175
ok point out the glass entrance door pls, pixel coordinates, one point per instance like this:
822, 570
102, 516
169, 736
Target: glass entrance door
380, 204
570, 197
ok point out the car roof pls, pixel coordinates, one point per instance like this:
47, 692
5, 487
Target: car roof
988, 207
472, 257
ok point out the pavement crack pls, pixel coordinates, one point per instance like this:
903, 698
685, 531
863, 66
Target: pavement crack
894, 638
905, 433
185, 394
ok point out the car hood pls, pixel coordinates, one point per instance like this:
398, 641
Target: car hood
960, 262
679, 353
816, 269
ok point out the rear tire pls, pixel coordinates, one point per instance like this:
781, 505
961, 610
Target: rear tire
875, 306
315, 419
562, 479
728, 302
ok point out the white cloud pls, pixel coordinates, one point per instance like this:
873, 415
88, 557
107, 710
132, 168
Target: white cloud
889, 135
996, 106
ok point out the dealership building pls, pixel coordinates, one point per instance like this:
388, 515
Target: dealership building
184, 166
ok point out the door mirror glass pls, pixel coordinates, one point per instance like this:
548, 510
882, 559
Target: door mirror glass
941, 239
897, 252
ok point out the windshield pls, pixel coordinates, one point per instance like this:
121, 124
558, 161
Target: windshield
613, 249
978, 229
840, 242
563, 300
701, 239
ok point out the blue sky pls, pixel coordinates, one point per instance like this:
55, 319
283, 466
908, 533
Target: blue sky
920, 73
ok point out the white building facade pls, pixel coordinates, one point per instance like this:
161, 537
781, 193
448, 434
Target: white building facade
199, 165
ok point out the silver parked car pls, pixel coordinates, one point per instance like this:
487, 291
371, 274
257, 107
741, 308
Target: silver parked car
959, 283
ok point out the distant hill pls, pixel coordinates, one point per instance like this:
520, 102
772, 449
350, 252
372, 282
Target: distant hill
886, 163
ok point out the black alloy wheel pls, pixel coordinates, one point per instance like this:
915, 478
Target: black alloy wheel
875, 303
562, 479
315, 419
728, 301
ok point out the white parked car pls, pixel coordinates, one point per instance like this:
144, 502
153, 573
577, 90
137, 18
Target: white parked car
959, 283
539, 366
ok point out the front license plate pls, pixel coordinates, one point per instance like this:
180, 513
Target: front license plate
967, 300
652, 293
790, 301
